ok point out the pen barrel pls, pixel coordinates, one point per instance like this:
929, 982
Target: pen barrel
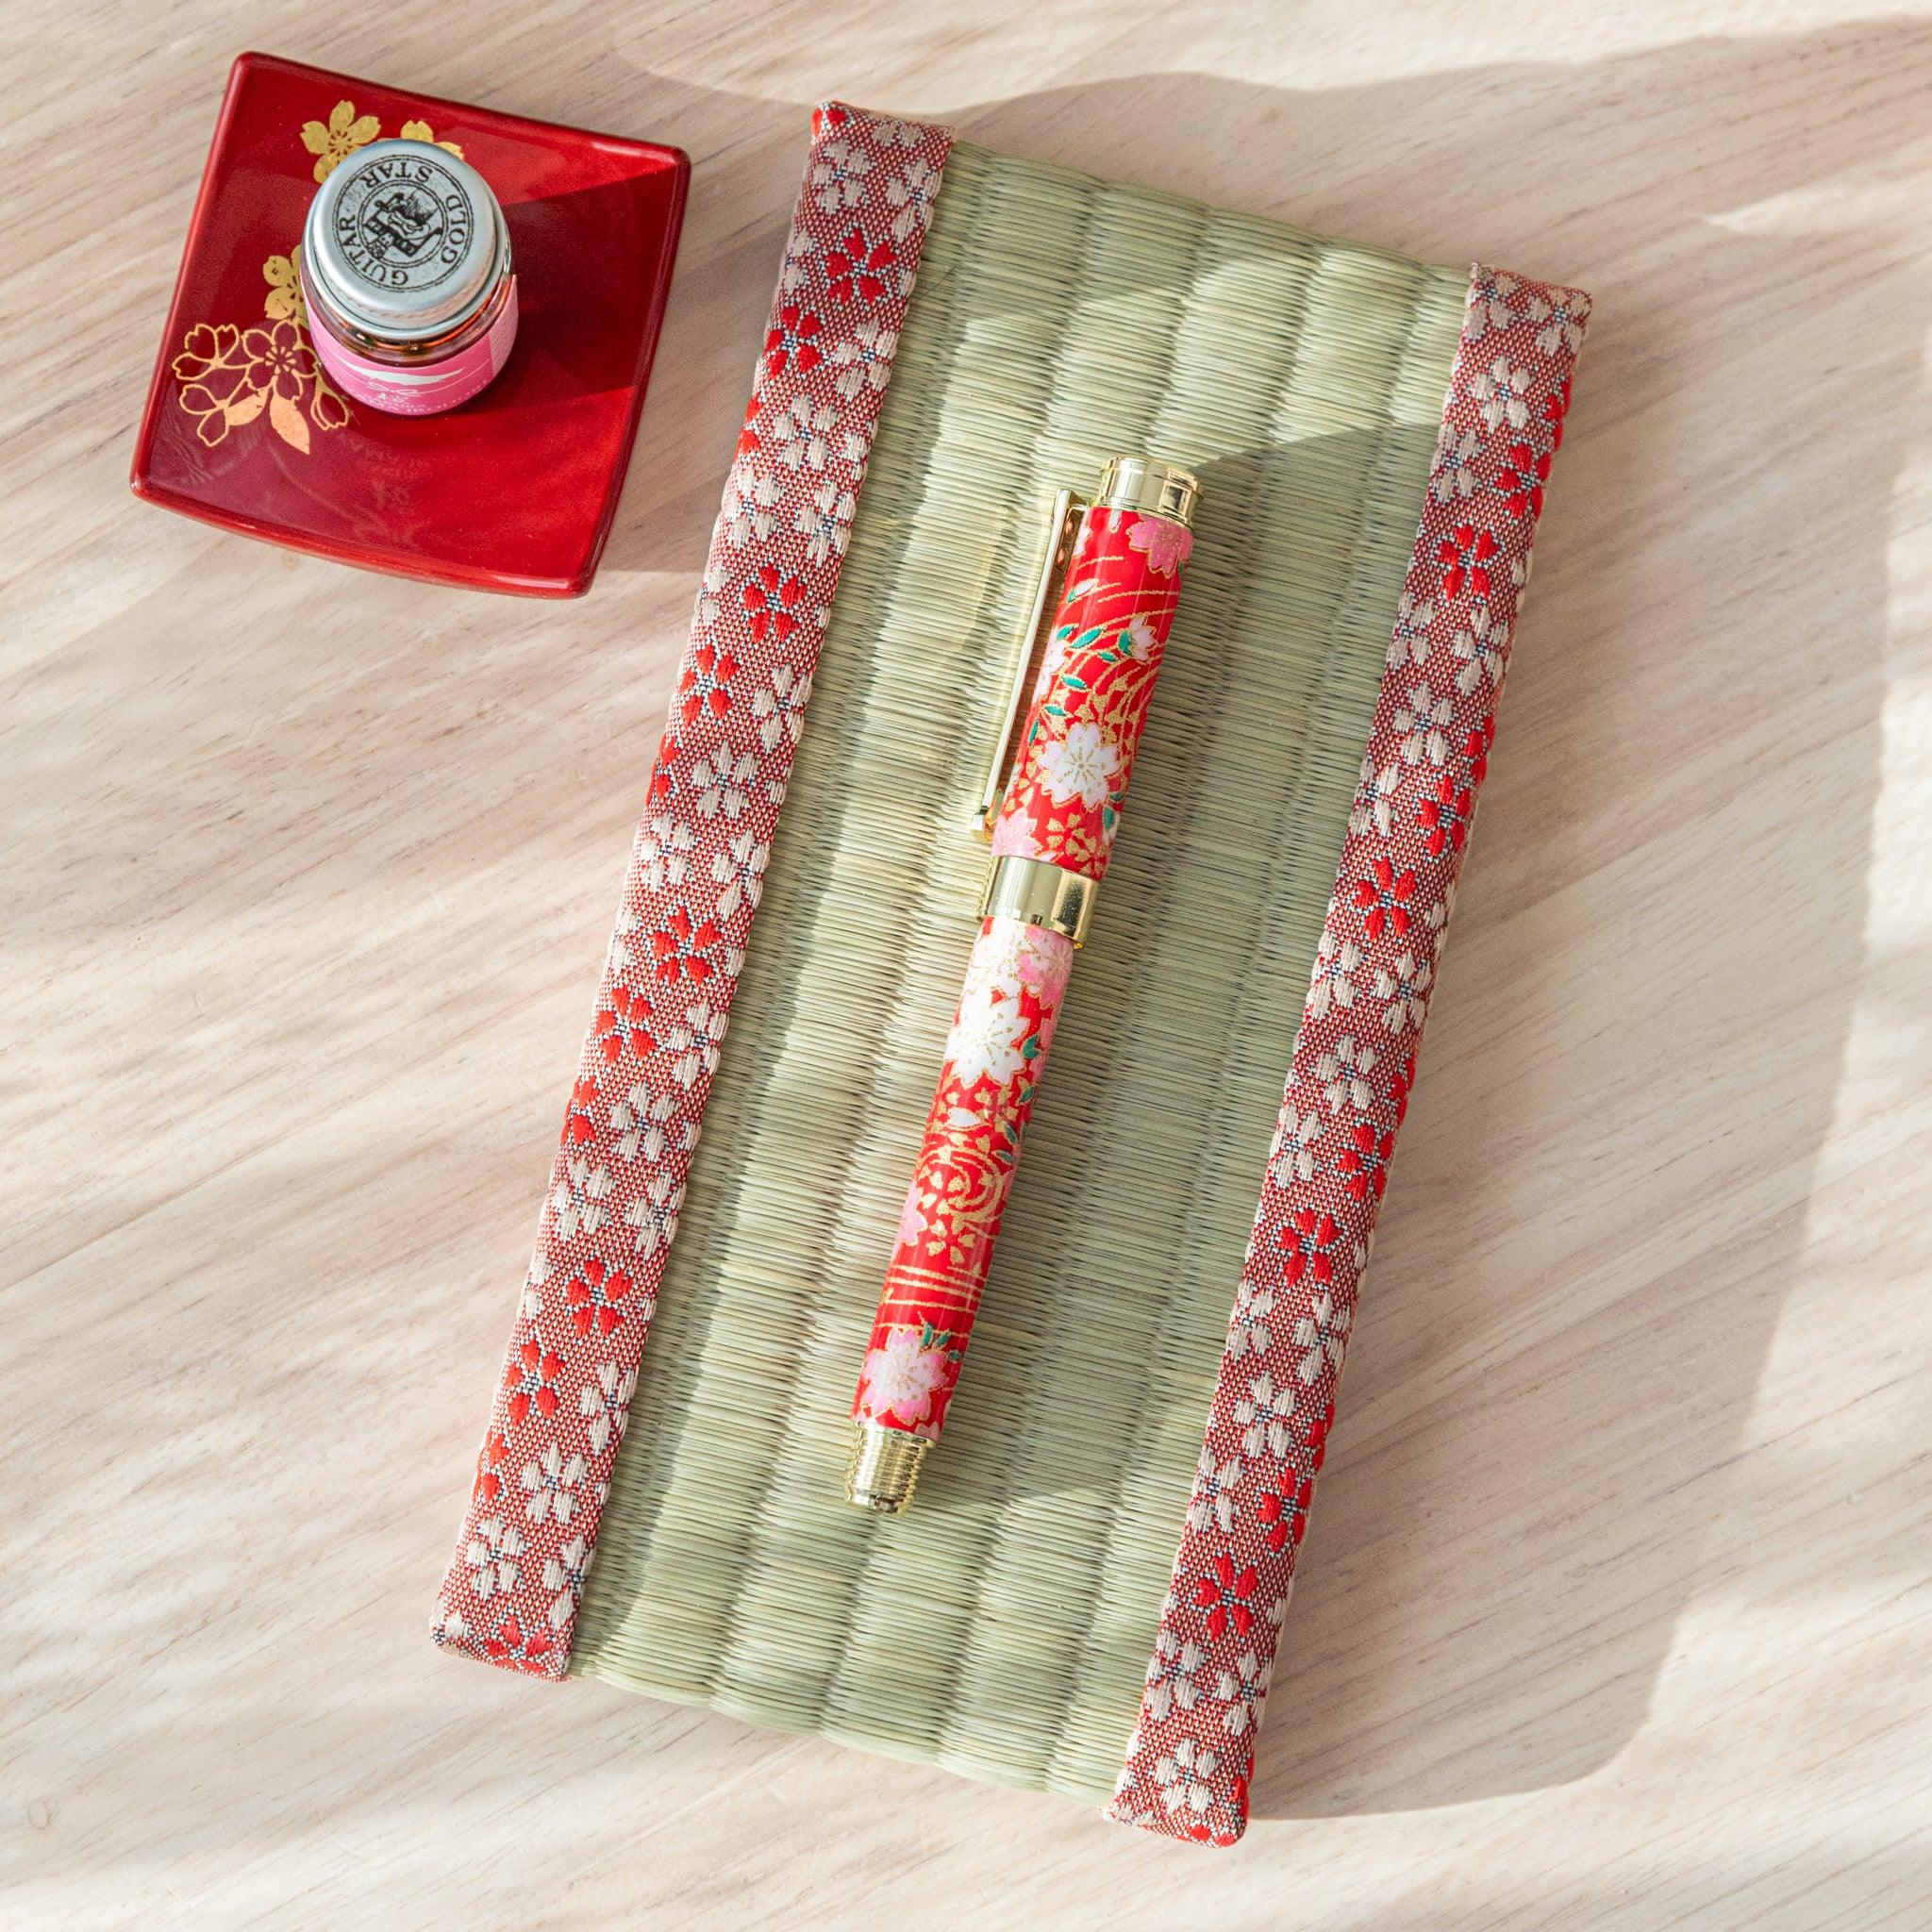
1016, 979
1062, 807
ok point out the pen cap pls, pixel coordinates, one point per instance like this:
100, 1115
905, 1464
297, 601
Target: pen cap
1102, 655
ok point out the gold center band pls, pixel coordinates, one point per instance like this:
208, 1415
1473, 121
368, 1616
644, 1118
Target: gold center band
1039, 893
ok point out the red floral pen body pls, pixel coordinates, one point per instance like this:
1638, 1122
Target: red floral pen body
1052, 833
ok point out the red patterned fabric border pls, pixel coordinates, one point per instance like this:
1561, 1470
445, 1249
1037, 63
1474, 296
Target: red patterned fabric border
513, 1588
1191, 1753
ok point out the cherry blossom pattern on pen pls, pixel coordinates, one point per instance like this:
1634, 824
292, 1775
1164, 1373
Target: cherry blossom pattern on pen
1091, 698
512, 1590
1192, 1754
1090, 705
995, 1054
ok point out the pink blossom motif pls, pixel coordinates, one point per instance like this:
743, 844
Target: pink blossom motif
826, 521
1184, 1775
1213, 1500
1323, 1333
739, 870
911, 1219
1056, 653
1250, 1334
993, 967
1082, 764
1500, 390
1409, 642
1424, 722
1265, 1413
605, 1403
1243, 1691
1404, 983
654, 1214
1345, 1071
1044, 965
910, 197
564, 1574
1295, 1135
1489, 310
864, 358
550, 1485
720, 781
1332, 982
1560, 313
1014, 838
494, 1552
780, 706
1166, 545
838, 176
901, 1377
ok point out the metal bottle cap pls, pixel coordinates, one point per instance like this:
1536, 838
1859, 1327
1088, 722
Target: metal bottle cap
405, 240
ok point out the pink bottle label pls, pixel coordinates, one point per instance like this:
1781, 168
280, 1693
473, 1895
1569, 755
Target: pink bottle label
421, 391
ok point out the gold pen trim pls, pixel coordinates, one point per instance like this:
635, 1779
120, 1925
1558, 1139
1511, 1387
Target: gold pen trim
1066, 511
884, 1467
1041, 893
1147, 483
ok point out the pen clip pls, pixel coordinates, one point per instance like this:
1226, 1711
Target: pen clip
1065, 513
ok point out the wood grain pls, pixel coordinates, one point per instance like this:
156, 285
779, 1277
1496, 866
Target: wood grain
1615, 1611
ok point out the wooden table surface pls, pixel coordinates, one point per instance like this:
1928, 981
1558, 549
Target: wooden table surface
1615, 1612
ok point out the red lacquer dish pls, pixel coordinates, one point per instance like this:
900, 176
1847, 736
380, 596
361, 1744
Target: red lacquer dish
515, 489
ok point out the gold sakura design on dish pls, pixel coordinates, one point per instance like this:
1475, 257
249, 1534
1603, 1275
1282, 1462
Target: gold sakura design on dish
332, 142
229, 374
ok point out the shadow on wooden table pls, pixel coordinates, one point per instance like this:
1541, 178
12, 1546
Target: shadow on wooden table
1557, 1359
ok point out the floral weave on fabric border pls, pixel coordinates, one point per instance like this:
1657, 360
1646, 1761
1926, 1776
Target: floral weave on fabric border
511, 1594
1192, 1754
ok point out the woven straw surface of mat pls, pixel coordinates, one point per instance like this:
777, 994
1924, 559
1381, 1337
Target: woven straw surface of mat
1003, 1628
